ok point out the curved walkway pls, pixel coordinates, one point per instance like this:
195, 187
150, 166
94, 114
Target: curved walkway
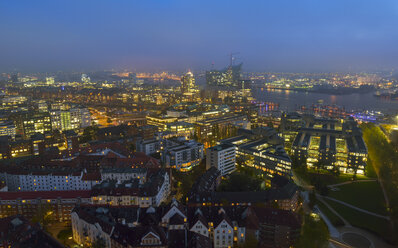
319, 197
349, 182
357, 208
332, 230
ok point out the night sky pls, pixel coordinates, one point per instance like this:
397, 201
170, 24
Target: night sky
277, 35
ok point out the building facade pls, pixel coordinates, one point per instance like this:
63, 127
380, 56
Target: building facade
222, 157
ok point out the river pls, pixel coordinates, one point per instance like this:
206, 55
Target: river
292, 100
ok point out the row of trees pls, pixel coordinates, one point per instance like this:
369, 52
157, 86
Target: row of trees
384, 159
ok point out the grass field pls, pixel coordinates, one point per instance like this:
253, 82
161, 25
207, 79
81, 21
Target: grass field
379, 226
365, 195
336, 221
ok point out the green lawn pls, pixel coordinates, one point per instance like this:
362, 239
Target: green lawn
379, 226
365, 195
311, 175
336, 221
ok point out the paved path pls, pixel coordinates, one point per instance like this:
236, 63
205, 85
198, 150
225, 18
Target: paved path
319, 197
349, 182
332, 230
357, 208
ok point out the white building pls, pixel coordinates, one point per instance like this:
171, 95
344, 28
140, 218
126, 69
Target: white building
86, 232
45, 181
199, 224
74, 118
182, 154
124, 174
133, 193
148, 147
223, 235
223, 157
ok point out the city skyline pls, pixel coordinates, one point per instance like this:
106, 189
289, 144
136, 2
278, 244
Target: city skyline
173, 35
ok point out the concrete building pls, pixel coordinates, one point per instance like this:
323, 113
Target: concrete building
133, 192
28, 204
222, 157
149, 146
262, 149
49, 181
182, 154
332, 145
7, 128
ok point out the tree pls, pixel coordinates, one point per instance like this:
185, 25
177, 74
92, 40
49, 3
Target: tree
89, 134
250, 242
44, 215
311, 200
64, 234
98, 243
314, 233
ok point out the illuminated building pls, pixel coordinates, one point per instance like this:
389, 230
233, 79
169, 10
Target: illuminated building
148, 147
331, 145
262, 149
42, 106
176, 225
12, 102
85, 78
211, 129
70, 119
43, 180
29, 203
222, 157
182, 154
50, 80
160, 121
133, 192
187, 83
33, 122
230, 76
181, 128
7, 129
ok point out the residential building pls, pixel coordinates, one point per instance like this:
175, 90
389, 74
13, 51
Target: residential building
149, 146
262, 149
133, 192
222, 157
7, 128
30, 204
33, 122
182, 154
331, 144
283, 192
42, 180
17, 231
176, 225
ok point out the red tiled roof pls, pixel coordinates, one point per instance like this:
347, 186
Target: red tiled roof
45, 194
92, 176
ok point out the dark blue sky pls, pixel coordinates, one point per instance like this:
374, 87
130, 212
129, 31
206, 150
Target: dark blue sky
295, 35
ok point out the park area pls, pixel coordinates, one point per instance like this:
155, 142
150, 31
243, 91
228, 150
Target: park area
367, 195
376, 225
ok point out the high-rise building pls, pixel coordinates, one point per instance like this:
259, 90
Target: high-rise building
85, 78
50, 80
7, 129
33, 122
230, 76
74, 118
222, 157
187, 82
